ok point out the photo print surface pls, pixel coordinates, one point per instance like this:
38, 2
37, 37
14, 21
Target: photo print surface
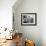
28, 19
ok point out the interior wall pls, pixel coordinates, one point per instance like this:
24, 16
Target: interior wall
29, 32
43, 22
6, 13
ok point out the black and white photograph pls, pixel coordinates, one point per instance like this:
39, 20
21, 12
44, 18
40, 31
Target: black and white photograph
28, 18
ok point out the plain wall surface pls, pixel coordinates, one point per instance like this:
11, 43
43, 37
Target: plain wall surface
29, 32
43, 22
6, 13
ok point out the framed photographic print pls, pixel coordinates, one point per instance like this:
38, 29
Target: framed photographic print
28, 19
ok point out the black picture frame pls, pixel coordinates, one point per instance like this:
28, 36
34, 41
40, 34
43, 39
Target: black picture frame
29, 19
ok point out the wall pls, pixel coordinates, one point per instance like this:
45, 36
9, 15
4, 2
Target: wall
43, 22
6, 13
29, 32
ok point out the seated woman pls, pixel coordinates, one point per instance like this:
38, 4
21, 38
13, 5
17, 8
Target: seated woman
18, 39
